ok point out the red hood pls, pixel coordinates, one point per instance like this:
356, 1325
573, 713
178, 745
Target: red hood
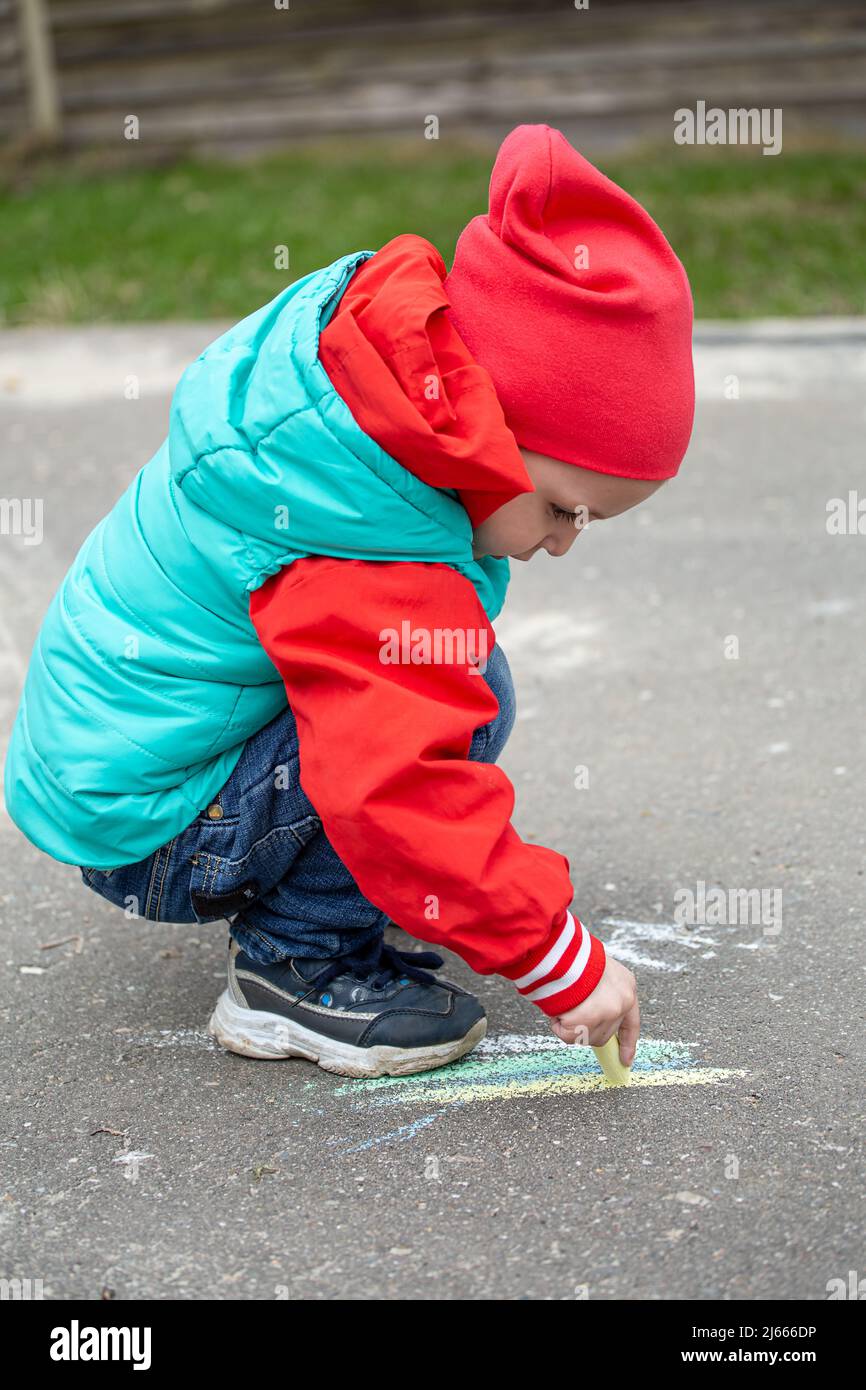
411, 383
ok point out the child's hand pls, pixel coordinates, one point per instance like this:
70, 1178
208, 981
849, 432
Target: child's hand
611, 1008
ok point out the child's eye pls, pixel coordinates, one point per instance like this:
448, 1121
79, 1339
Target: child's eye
562, 515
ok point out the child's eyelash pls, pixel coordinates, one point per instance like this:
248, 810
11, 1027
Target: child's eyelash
562, 515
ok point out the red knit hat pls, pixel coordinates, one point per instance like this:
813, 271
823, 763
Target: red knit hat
569, 295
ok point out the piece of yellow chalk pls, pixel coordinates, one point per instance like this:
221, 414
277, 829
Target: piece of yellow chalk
608, 1059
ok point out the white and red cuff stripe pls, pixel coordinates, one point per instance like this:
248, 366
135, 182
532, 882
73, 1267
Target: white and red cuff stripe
563, 971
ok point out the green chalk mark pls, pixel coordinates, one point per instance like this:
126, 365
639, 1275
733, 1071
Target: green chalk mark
517, 1065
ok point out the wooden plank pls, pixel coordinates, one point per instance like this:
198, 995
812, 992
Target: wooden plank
435, 39
155, 83
184, 123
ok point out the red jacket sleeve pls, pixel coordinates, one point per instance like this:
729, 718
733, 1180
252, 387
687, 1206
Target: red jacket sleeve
383, 739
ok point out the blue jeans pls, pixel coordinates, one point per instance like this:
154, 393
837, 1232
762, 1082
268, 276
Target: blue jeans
259, 856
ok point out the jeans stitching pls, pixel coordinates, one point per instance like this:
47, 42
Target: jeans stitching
297, 826
170, 850
150, 886
266, 941
214, 865
239, 865
157, 875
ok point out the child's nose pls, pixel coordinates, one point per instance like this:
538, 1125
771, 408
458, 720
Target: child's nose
561, 544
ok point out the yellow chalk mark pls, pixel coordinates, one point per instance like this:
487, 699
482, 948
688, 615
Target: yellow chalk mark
565, 1085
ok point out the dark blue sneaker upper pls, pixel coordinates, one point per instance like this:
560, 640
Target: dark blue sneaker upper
380, 997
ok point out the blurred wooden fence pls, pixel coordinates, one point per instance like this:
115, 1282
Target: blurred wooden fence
230, 75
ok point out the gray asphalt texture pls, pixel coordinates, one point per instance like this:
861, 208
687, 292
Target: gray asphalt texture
271, 1180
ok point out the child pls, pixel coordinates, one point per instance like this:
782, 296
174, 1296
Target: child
346, 472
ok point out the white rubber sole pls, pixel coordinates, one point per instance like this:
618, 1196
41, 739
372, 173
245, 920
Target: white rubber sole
254, 1033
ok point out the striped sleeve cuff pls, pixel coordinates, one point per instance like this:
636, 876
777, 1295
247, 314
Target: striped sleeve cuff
563, 971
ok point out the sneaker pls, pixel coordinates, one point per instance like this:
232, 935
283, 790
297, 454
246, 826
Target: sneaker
376, 1013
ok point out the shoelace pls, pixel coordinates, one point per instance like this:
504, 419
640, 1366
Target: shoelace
378, 966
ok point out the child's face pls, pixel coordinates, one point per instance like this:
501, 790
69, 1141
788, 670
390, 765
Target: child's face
566, 498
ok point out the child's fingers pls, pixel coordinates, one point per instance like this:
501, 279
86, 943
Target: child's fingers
584, 1036
629, 1032
566, 1035
576, 1033
602, 1034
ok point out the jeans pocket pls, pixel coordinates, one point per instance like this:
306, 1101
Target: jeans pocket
214, 906
221, 879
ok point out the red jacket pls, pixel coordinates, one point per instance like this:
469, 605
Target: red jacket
425, 832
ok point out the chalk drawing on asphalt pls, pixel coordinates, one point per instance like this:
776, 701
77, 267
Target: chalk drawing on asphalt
516, 1066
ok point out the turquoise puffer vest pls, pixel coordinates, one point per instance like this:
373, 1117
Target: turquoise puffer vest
147, 676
